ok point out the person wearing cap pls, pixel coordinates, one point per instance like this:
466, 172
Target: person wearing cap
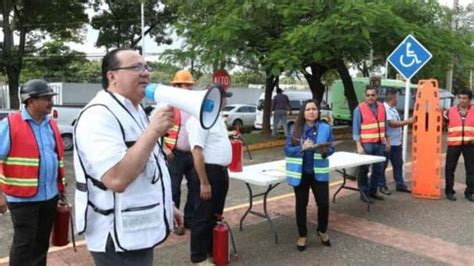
212, 154
179, 157
31, 173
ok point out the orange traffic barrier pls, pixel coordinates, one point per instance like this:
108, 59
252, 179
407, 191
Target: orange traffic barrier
427, 129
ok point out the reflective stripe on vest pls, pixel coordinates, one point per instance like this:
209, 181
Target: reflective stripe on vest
172, 135
20, 170
459, 131
294, 168
321, 168
372, 129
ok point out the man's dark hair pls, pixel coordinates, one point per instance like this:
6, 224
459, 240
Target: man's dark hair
368, 87
279, 90
389, 94
465, 92
109, 62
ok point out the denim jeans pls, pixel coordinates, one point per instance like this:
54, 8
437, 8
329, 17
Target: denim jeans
280, 116
370, 187
395, 157
182, 165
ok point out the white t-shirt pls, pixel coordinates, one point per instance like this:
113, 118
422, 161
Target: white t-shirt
214, 141
395, 134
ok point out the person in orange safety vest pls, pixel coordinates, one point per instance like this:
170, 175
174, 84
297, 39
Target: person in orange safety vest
179, 156
369, 133
31, 173
460, 120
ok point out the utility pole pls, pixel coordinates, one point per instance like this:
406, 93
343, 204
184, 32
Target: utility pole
449, 77
142, 8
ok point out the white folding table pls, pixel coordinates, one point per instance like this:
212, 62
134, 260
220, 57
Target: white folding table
271, 174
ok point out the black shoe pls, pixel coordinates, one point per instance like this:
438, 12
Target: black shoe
376, 196
299, 244
324, 239
366, 199
469, 197
385, 191
451, 197
403, 189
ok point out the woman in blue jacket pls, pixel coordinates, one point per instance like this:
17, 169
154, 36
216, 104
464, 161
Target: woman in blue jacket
308, 167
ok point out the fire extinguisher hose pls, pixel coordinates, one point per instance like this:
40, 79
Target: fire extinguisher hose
234, 249
72, 230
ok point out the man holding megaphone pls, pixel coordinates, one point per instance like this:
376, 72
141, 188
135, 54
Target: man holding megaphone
123, 190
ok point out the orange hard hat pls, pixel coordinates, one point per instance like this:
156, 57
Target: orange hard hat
183, 77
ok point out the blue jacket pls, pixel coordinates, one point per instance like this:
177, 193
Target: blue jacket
308, 162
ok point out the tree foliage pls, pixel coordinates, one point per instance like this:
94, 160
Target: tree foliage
33, 21
119, 22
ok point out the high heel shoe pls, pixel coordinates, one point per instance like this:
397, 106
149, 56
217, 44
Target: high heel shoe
324, 237
301, 243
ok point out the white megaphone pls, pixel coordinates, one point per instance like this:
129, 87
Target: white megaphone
204, 105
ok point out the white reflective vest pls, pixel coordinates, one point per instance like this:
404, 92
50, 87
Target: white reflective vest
141, 216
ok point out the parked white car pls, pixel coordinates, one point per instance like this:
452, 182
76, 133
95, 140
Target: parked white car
242, 115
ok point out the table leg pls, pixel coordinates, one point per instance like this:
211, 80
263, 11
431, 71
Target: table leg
343, 185
259, 214
250, 206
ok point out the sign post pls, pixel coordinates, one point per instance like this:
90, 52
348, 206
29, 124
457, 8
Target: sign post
408, 58
222, 77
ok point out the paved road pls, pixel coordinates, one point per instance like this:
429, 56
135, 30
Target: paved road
399, 231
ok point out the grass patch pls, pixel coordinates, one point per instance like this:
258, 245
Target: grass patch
253, 138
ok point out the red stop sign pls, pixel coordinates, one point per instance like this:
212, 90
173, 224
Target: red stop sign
222, 77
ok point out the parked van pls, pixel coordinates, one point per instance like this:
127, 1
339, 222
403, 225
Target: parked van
340, 106
296, 100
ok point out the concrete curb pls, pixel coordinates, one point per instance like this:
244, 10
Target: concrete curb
339, 134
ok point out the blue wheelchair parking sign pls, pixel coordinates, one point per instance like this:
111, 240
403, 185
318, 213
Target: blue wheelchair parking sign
409, 57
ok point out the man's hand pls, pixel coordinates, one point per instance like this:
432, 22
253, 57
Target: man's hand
162, 120
206, 192
178, 218
387, 147
360, 149
3, 204
410, 121
62, 197
169, 153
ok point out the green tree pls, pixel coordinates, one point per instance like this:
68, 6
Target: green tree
119, 22
34, 20
222, 33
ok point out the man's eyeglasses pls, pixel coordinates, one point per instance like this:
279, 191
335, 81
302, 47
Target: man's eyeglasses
136, 68
370, 95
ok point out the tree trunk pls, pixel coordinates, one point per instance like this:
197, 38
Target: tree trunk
314, 80
270, 82
348, 86
11, 62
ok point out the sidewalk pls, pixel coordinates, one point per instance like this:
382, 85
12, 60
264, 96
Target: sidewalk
398, 231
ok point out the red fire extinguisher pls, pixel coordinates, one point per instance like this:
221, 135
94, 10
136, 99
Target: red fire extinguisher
221, 243
59, 236
237, 144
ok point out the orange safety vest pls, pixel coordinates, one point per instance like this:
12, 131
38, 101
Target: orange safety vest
171, 138
460, 132
372, 129
19, 173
